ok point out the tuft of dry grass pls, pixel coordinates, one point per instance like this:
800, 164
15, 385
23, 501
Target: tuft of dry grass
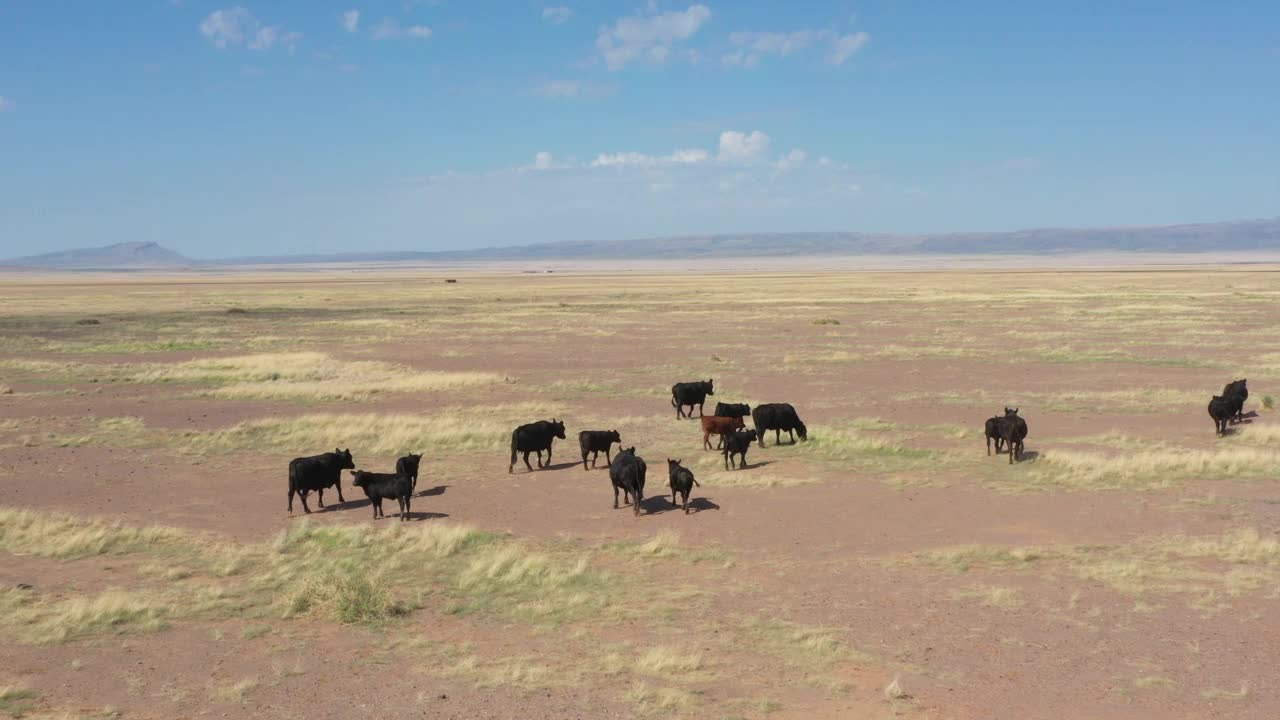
1142, 470
381, 434
894, 690
1220, 694
307, 376
237, 692
1005, 598
111, 612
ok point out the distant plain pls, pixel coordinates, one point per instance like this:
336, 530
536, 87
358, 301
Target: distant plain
1129, 567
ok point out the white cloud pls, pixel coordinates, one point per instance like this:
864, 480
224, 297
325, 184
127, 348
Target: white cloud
844, 47
350, 20
5, 104
753, 45
389, 29
543, 161
558, 15
649, 39
690, 156
234, 27
791, 161
824, 161
742, 147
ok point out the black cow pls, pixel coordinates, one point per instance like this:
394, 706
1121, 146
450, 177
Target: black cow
535, 437
992, 431
737, 410
778, 417
389, 486
737, 444
317, 473
593, 441
1221, 410
1013, 430
627, 472
682, 481
1236, 392
408, 466
690, 393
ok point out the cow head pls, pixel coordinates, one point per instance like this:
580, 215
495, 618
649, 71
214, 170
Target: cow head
614, 436
802, 431
557, 427
359, 478
344, 459
1010, 412
750, 434
672, 465
710, 387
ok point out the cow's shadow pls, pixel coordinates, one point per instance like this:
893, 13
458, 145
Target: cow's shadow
697, 505
1029, 456
437, 490
751, 465
418, 516
561, 466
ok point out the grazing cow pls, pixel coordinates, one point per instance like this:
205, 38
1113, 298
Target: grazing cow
535, 437
1221, 410
737, 410
408, 466
992, 431
719, 426
1013, 430
737, 443
593, 441
627, 472
690, 393
389, 486
778, 417
682, 481
317, 473
1236, 392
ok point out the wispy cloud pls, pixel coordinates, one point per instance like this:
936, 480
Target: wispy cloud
557, 15
750, 48
350, 20
648, 38
390, 29
569, 89
236, 27
6, 104
845, 46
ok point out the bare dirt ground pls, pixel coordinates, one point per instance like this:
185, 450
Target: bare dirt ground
1128, 567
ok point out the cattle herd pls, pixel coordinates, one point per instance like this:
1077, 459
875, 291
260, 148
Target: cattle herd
627, 469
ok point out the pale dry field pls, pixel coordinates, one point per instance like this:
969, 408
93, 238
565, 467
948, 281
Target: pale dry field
887, 568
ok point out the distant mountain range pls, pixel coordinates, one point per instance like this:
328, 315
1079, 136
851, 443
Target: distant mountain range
1242, 235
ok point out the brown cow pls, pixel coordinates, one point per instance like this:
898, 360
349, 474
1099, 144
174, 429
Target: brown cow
719, 426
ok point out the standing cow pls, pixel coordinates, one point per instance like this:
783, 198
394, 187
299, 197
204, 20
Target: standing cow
719, 426
626, 473
385, 486
1221, 410
1236, 392
591, 442
681, 480
1013, 430
317, 473
535, 437
778, 417
690, 393
408, 467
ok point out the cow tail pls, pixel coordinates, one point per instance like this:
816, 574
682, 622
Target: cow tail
695, 481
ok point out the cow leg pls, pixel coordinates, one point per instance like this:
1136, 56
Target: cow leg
320, 492
291, 501
338, 485
607, 460
706, 440
615, 497
699, 410
792, 434
686, 503
673, 497
302, 495
548, 456
584, 461
526, 461
777, 436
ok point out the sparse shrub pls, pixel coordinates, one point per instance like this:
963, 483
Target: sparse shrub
15, 701
894, 690
1268, 402
88, 321
826, 321
237, 311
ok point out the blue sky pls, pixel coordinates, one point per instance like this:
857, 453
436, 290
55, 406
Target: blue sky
278, 126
